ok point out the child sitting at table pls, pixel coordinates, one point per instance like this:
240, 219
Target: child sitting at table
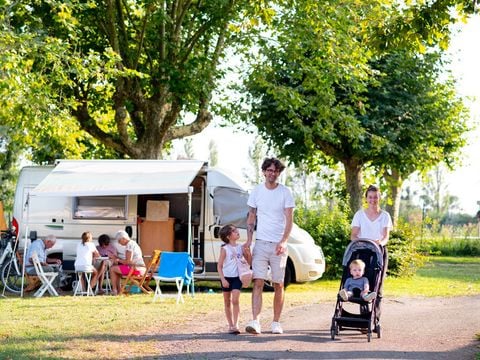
105, 249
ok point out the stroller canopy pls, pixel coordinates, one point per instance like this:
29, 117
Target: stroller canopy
363, 244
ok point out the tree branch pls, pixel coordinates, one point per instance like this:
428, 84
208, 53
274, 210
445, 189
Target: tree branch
110, 27
123, 38
88, 124
204, 117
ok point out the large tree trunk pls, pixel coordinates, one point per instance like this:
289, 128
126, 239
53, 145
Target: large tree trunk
394, 182
353, 177
154, 124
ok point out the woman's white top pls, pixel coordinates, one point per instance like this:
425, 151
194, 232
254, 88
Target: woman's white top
372, 230
137, 257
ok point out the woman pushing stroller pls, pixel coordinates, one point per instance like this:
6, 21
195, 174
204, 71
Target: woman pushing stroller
364, 267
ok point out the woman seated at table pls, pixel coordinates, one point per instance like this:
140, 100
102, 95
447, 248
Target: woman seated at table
106, 250
133, 258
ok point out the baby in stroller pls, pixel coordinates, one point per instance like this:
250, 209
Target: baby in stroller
357, 285
363, 270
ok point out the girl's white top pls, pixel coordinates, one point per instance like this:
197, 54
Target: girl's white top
230, 268
85, 254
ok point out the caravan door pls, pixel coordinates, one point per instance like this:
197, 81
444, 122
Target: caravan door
229, 207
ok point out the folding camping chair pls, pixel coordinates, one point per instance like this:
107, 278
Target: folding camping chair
45, 277
174, 267
142, 281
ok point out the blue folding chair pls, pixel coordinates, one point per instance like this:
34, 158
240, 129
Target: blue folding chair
174, 267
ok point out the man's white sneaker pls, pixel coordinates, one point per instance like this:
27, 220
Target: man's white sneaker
277, 328
253, 327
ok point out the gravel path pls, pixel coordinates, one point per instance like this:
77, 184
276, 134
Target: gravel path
418, 328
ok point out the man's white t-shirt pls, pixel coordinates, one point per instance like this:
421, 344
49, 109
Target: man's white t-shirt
270, 205
372, 230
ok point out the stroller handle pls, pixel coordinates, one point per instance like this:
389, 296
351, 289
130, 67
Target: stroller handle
363, 244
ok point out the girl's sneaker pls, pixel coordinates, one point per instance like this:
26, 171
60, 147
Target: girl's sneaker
233, 330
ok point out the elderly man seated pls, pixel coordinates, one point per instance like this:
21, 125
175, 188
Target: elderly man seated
40, 247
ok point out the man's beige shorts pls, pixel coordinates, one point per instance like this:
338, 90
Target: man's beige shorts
263, 255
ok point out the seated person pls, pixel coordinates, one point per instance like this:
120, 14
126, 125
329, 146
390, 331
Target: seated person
106, 249
86, 252
357, 281
122, 267
40, 247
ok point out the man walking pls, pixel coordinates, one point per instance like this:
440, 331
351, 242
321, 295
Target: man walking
271, 207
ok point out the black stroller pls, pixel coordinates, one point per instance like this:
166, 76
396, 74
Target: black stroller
368, 317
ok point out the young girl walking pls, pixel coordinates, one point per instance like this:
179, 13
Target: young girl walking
229, 275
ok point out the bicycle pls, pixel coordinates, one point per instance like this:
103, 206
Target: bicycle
10, 263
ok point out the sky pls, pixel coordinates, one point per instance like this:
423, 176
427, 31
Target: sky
464, 182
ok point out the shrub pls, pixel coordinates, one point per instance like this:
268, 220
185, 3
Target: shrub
449, 240
404, 257
330, 228
451, 246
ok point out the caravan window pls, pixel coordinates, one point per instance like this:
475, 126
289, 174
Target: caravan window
100, 207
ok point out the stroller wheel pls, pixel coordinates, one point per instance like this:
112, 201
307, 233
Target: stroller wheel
334, 329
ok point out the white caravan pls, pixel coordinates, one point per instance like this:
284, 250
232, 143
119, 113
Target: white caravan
167, 205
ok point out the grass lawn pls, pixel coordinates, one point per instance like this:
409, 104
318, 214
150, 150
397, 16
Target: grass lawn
101, 327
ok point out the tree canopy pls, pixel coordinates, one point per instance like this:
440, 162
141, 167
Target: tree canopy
313, 89
126, 72
117, 78
419, 115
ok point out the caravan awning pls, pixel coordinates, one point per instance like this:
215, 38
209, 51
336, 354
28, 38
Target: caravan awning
118, 177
